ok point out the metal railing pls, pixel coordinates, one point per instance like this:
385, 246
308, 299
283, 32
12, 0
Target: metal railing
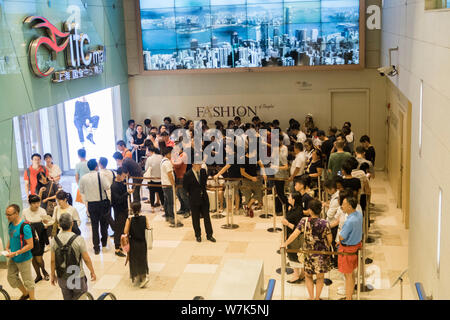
4, 294
104, 296
270, 289
107, 296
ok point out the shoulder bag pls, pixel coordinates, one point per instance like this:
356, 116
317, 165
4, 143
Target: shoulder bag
50, 203
301, 256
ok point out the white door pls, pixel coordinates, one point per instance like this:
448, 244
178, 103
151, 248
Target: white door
352, 106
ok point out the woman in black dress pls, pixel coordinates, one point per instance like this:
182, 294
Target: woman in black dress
135, 228
138, 143
314, 168
293, 216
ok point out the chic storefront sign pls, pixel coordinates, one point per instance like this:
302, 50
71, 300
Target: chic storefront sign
81, 62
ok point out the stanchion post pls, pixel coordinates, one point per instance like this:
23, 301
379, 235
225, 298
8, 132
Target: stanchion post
232, 209
274, 215
283, 270
274, 228
230, 224
358, 286
228, 199
365, 287
216, 192
176, 224
265, 215
320, 189
283, 238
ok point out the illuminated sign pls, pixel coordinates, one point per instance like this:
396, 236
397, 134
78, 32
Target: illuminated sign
80, 61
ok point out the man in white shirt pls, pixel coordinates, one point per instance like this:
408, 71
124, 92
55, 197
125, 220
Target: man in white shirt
93, 189
154, 164
130, 133
299, 163
168, 181
110, 176
297, 134
297, 166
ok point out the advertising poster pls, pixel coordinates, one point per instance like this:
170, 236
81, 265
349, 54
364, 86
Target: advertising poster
90, 125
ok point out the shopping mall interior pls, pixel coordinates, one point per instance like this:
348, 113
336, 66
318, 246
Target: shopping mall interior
368, 68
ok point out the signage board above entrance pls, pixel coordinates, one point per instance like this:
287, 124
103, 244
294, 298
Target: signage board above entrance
81, 62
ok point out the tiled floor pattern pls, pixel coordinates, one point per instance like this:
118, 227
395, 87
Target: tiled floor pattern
181, 268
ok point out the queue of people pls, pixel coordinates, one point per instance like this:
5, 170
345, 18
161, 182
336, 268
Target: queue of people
156, 156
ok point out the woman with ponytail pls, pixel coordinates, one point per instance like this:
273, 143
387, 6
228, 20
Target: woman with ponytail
135, 229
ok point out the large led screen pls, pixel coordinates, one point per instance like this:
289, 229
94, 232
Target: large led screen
217, 34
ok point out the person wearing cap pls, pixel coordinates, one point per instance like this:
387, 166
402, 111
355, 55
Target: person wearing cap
182, 122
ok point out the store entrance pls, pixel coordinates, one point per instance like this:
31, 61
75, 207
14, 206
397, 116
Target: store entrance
92, 122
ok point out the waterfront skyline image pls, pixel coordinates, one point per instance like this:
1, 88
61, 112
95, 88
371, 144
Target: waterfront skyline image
202, 34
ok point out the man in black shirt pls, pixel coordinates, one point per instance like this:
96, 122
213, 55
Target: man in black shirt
119, 202
251, 187
327, 144
370, 150
194, 183
349, 182
132, 169
231, 170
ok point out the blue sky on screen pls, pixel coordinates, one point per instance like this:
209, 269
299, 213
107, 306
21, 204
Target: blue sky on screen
154, 4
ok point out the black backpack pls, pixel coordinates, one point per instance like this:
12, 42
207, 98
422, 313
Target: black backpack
65, 256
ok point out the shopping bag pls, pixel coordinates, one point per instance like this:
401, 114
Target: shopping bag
149, 238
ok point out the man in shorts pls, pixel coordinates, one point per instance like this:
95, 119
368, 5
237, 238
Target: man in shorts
350, 242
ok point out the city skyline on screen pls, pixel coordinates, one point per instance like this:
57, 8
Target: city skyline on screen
215, 34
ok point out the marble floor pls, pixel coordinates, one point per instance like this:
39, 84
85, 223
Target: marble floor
181, 268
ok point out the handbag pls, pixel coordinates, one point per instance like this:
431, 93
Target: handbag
149, 238
301, 256
125, 243
50, 204
55, 226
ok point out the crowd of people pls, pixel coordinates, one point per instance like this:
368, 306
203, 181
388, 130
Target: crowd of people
170, 161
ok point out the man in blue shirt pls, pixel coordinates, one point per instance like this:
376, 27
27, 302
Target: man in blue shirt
350, 242
19, 254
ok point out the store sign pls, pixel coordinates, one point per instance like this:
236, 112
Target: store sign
80, 61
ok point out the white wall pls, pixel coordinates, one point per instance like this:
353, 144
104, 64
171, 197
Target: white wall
157, 96
423, 39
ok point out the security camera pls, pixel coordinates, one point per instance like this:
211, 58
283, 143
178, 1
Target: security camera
390, 71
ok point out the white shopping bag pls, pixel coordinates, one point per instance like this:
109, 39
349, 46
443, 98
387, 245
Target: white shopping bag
149, 238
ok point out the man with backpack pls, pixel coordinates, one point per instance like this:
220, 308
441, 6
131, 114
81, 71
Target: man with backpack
68, 253
19, 248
